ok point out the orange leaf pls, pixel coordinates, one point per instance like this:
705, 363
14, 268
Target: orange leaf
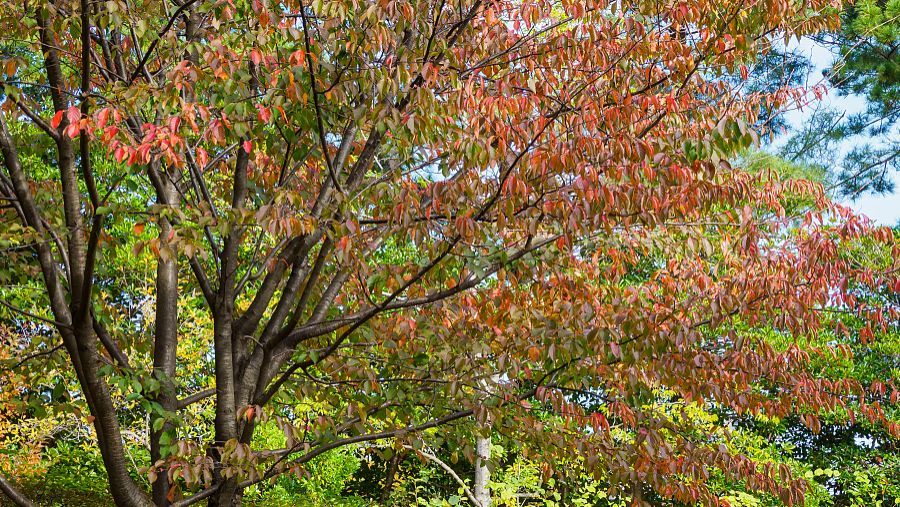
57, 119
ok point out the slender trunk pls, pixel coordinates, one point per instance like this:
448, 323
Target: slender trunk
390, 475
165, 347
482, 472
226, 414
483, 454
226, 343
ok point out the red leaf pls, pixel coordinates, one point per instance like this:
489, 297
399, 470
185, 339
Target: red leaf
255, 57
57, 119
72, 130
73, 114
248, 146
264, 114
202, 158
103, 117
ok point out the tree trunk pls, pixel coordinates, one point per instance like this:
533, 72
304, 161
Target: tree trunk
226, 413
165, 347
390, 475
109, 436
483, 455
78, 335
482, 473
225, 344
14, 494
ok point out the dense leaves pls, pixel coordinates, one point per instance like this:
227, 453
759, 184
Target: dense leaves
409, 225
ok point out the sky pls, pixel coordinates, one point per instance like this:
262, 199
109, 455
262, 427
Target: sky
884, 209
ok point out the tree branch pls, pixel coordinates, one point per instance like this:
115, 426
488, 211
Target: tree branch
14, 494
315, 96
140, 67
194, 398
450, 471
108, 343
34, 117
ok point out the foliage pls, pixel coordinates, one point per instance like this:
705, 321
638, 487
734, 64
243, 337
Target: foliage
270, 237
870, 65
867, 64
322, 483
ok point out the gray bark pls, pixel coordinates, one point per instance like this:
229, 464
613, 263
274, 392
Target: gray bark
482, 472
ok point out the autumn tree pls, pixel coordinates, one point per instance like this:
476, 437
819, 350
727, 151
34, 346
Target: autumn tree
364, 212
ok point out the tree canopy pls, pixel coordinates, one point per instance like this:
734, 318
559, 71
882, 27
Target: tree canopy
243, 236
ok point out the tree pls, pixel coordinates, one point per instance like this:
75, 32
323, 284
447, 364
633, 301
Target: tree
867, 63
379, 206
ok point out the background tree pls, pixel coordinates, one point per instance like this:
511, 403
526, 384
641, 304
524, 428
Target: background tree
867, 64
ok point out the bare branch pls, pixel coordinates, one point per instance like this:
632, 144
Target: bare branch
431, 457
140, 67
194, 398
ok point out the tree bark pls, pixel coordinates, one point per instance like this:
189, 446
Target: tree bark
482, 472
226, 427
165, 346
226, 414
483, 454
124, 490
14, 494
390, 474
